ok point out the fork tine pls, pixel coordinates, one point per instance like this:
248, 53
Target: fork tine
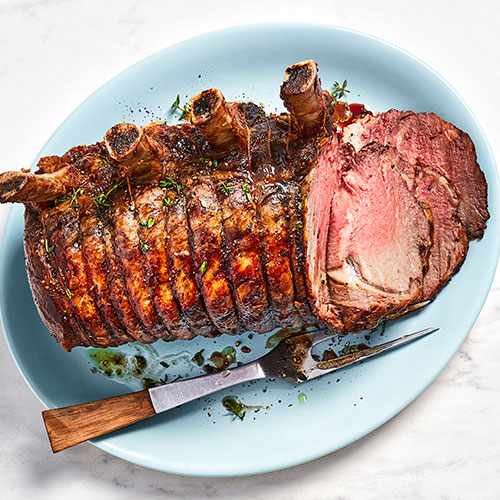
323, 367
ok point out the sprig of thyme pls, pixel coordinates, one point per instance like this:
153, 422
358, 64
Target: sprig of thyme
169, 183
102, 200
339, 90
225, 187
185, 110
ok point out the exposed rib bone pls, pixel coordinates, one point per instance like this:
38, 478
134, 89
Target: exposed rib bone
138, 154
217, 120
26, 187
303, 97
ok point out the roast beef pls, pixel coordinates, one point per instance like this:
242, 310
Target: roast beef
240, 220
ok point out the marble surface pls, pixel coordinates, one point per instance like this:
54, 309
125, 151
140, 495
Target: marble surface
445, 445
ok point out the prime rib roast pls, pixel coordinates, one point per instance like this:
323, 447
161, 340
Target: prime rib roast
240, 220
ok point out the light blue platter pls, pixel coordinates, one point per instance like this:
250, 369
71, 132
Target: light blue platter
247, 63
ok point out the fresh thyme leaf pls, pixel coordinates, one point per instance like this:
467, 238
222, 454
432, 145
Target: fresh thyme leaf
246, 189
203, 267
74, 196
198, 358
209, 162
60, 200
68, 293
339, 90
237, 408
144, 246
151, 222
102, 199
47, 248
168, 201
142, 223
225, 188
185, 110
169, 183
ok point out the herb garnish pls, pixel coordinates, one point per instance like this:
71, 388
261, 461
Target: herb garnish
203, 267
237, 408
170, 184
73, 196
339, 90
223, 359
225, 188
102, 200
185, 110
198, 358
60, 200
168, 201
47, 248
209, 162
246, 189
144, 246
150, 222
68, 293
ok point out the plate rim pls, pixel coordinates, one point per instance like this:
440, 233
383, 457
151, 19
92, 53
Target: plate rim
148, 462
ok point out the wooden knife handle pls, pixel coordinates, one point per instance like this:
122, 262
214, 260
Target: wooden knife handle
75, 424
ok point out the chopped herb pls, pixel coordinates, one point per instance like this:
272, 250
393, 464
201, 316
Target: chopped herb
339, 90
74, 196
185, 110
225, 188
170, 184
60, 200
102, 199
209, 162
144, 246
68, 293
198, 358
302, 398
223, 359
151, 222
300, 225
168, 201
203, 267
142, 223
237, 408
47, 248
246, 189
104, 162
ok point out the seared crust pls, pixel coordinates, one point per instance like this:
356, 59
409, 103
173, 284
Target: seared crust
183, 279
274, 234
62, 231
151, 232
128, 249
245, 269
207, 237
50, 299
94, 251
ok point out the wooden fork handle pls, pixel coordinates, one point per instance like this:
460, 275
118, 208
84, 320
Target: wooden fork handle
75, 424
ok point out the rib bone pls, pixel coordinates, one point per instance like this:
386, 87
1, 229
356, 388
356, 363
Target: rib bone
217, 120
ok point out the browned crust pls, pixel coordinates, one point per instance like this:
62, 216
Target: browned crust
128, 250
183, 269
207, 245
50, 299
157, 273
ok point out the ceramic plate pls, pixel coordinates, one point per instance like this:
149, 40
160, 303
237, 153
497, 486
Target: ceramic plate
201, 438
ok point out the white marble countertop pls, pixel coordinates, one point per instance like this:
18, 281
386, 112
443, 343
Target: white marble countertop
445, 445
